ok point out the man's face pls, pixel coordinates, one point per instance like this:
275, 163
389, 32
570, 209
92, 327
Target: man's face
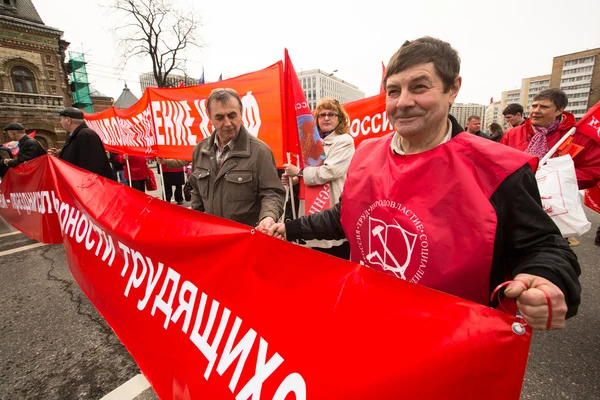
513, 119
12, 135
474, 125
543, 112
226, 117
65, 122
416, 102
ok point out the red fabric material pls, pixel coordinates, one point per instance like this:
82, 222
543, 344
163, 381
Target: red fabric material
444, 240
150, 180
137, 165
169, 122
587, 161
316, 198
589, 124
163, 167
592, 198
202, 308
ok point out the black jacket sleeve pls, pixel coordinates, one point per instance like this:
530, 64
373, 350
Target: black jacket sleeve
91, 155
528, 241
28, 150
325, 225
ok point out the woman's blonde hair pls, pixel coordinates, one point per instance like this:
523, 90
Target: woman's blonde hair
331, 104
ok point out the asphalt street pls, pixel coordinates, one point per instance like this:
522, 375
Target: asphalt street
55, 345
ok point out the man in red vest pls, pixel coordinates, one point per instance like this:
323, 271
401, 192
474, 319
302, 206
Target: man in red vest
433, 205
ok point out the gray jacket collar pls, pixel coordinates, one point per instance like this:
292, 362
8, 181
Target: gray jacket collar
241, 147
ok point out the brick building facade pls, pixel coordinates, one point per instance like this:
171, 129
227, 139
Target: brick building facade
33, 80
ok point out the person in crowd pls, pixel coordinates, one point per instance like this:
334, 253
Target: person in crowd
474, 127
436, 206
173, 176
332, 124
513, 115
117, 168
138, 166
234, 174
548, 122
496, 132
5, 154
178, 165
83, 147
29, 148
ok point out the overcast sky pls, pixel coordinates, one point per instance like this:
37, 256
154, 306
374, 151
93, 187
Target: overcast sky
499, 42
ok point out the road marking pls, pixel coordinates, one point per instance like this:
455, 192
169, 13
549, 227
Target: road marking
129, 390
10, 234
19, 249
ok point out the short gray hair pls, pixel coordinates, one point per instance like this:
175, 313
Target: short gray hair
222, 95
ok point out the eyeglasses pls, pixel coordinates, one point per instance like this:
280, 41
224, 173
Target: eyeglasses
327, 115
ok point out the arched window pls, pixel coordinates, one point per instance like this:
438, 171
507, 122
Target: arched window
23, 80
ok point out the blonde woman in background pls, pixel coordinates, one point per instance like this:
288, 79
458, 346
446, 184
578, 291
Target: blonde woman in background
332, 123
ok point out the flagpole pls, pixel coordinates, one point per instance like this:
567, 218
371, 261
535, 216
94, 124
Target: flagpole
162, 179
128, 171
556, 146
291, 183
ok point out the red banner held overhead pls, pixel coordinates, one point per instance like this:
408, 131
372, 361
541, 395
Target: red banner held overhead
368, 118
170, 122
215, 310
589, 124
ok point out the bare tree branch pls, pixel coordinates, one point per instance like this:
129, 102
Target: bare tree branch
155, 29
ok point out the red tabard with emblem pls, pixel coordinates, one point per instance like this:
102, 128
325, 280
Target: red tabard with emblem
427, 218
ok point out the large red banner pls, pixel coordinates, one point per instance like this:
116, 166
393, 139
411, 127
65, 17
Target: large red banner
169, 122
211, 309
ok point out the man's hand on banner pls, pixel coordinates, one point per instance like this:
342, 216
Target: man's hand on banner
265, 224
291, 169
533, 302
278, 231
53, 151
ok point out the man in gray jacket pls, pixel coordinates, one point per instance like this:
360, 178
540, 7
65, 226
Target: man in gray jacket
234, 175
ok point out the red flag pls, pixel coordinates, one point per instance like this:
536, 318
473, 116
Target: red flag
589, 125
382, 89
291, 141
289, 323
32, 134
316, 198
592, 198
182, 84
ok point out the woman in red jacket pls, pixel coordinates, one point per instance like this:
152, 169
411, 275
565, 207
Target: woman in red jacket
138, 168
173, 177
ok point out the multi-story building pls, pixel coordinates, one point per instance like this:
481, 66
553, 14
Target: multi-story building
173, 80
317, 84
510, 97
33, 80
462, 112
493, 113
530, 87
578, 74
